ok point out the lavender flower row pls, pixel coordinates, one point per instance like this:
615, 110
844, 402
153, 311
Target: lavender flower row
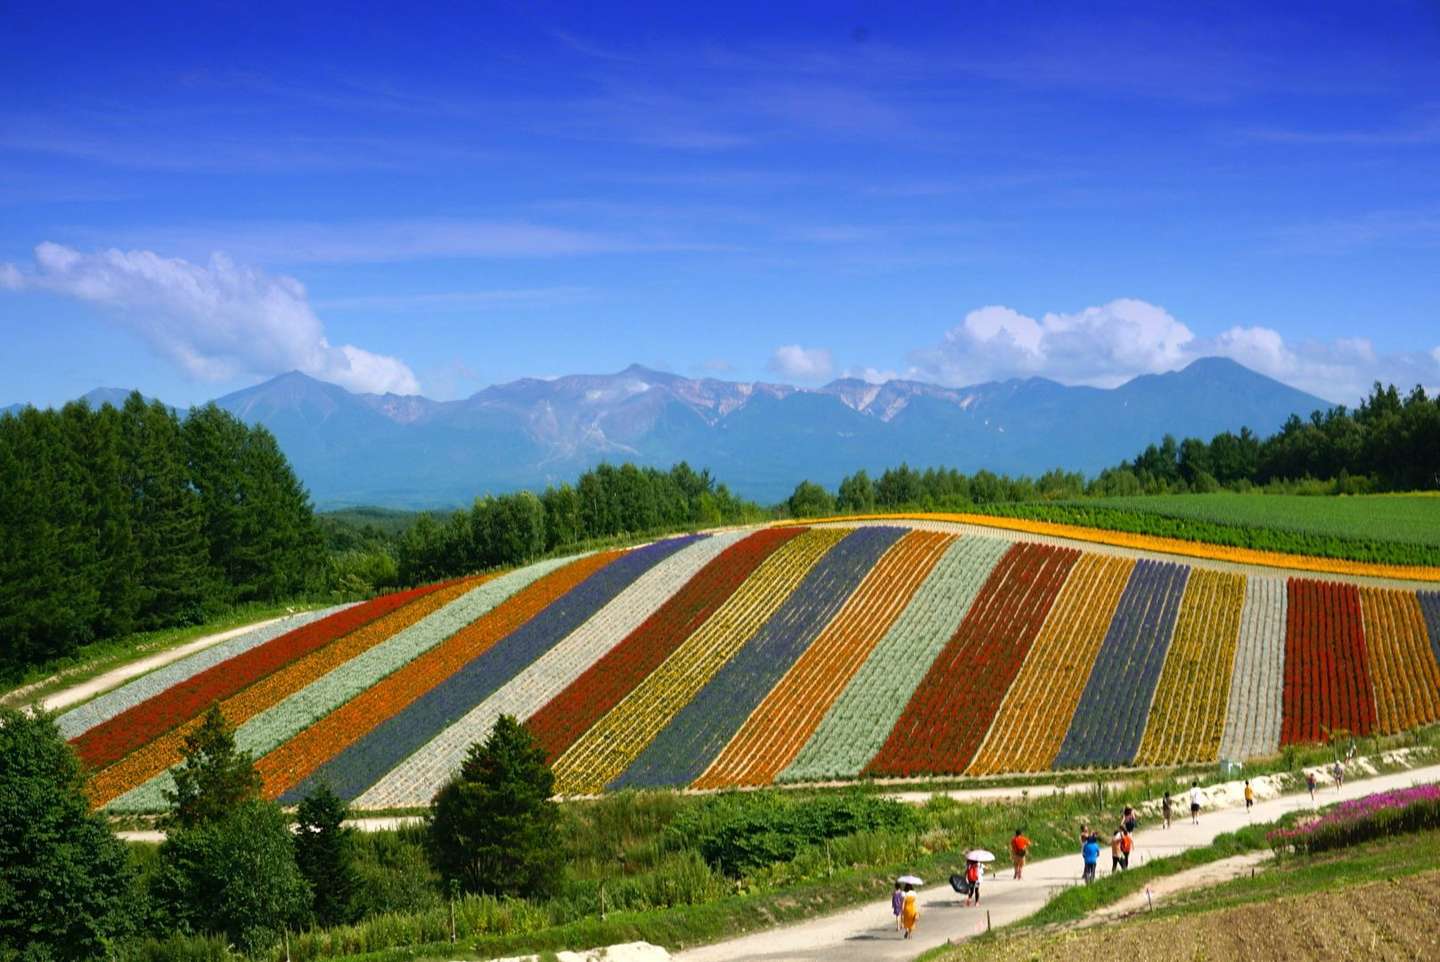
1110, 719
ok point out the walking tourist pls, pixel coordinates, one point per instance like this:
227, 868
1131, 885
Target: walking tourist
1090, 854
1249, 796
1130, 820
1019, 848
1117, 856
897, 904
1166, 804
1339, 772
1127, 844
974, 875
1194, 803
1310, 784
909, 911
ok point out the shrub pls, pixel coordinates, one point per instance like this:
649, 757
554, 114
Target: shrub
1374, 816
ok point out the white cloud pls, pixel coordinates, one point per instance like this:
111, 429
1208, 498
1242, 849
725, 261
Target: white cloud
802, 363
218, 320
1102, 346
872, 375
1107, 345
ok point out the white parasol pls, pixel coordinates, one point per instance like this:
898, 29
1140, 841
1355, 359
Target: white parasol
979, 855
909, 880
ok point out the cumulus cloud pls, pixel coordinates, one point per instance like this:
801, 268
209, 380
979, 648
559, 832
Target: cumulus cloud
802, 363
218, 320
1107, 345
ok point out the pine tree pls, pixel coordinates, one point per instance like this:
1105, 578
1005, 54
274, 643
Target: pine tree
324, 850
215, 777
492, 827
65, 880
176, 581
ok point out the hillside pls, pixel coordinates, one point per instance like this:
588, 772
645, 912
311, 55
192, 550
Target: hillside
795, 653
761, 438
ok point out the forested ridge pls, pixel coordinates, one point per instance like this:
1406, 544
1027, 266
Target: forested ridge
125, 519
1386, 444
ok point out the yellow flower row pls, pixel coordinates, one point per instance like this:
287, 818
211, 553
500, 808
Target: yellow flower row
1402, 666
1187, 717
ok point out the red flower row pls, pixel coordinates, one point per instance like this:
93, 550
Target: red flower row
950, 711
604, 684
1327, 676
136, 726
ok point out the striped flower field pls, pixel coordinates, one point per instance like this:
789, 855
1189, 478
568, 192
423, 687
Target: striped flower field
789, 654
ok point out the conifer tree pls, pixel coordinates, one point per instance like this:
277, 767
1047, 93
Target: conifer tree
324, 850
215, 777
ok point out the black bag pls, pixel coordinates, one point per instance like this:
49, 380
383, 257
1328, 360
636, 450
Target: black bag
960, 884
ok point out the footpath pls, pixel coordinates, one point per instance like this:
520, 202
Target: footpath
868, 932
116, 677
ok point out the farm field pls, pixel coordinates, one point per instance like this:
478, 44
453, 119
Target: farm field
1381, 529
789, 654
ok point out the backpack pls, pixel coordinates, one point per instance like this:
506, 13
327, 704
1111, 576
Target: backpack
972, 874
1125, 843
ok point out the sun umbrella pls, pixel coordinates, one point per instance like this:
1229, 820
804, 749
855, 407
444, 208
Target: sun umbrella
909, 880
979, 855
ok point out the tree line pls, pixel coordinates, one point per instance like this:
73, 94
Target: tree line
1386, 444
606, 502
130, 518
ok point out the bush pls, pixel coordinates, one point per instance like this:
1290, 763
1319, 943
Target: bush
65, 880
739, 832
235, 876
1374, 816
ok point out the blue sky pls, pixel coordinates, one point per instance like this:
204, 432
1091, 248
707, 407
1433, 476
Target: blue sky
426, 199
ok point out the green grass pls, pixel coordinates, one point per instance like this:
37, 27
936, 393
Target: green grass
99, 657
1386, 529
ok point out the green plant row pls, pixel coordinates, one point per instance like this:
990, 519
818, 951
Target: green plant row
1284, 540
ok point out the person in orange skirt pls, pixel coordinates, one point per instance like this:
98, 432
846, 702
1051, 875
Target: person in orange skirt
911, 911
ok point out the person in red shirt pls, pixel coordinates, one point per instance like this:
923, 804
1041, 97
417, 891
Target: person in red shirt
1019, 848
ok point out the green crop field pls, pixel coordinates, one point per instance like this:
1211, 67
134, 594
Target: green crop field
1411, 518
1389, 529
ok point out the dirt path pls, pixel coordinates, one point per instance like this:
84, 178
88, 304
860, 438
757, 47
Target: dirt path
1160, 889
868, 933
114, 678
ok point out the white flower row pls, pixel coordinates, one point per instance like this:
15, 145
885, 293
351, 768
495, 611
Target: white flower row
287, 718
416, 780
858, 723
1252, 717
99, 710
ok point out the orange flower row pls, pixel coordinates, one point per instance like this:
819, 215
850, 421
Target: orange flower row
288, 765
773, 735
145, 763
1402, 666
1035, 716
1187, 717
1176, 546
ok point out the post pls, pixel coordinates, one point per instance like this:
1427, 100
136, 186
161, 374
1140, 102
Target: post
287, 945
454, 891
987, 920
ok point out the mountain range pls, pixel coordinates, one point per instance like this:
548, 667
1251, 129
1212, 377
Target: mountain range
411, 451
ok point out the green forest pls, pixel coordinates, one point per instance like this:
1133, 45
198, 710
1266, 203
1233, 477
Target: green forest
120, 520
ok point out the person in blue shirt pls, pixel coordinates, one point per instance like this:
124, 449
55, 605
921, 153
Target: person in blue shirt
1090, 852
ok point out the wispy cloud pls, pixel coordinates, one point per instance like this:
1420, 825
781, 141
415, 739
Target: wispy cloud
449, 301
802, 363
402, 240
216, 321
